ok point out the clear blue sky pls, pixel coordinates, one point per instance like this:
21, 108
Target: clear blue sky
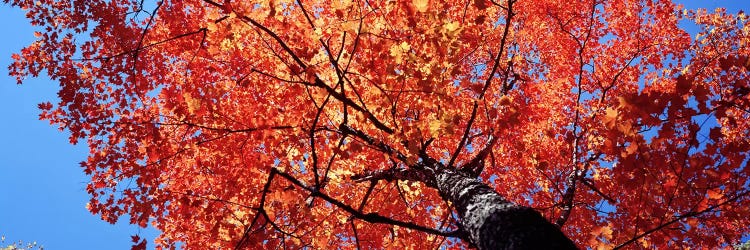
42, 187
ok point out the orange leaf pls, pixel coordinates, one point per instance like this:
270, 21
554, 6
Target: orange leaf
714, 194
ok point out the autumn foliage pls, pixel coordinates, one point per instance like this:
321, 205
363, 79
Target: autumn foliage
229, 124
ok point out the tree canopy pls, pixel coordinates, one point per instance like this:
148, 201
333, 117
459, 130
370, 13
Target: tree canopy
398, 124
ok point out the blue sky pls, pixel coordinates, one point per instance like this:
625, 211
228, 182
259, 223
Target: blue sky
42, 187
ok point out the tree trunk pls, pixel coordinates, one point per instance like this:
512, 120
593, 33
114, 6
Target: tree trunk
494, 223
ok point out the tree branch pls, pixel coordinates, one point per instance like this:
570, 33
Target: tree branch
487, 82
680, 217
317, 82
347, 130
369, 217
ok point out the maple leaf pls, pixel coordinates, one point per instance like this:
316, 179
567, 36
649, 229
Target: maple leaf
610, 118
714, 194
481, 4
138, 243
421, 5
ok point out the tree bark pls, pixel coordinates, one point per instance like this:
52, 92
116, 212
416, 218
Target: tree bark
492, 222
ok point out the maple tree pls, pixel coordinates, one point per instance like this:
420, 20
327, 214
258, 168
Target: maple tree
404, 124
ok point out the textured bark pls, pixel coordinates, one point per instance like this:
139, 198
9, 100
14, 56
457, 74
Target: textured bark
494, 223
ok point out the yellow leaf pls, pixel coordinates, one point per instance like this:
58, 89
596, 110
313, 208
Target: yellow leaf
342, 219
192, 103
451, 26
397, 50
375, 28
318, 33
351, 26
396, 53
340, 5
405, 46
421, 5
598, 233
450, 29
607, 232
610, 118
293, 154
211, 26
644, 243
435, 128
685, 70
224, 234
